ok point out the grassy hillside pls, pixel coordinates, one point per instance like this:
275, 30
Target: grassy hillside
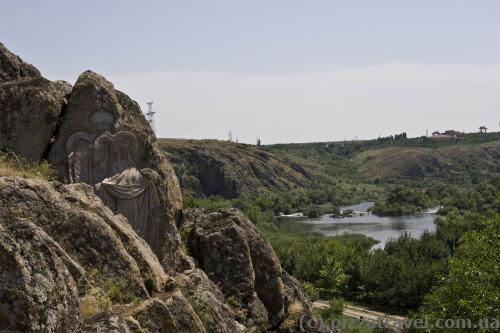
231, 170
457, 163
463, 160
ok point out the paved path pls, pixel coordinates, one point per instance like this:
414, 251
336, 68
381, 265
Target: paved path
360, 313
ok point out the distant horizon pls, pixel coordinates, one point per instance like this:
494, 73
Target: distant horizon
279, 70
311, 142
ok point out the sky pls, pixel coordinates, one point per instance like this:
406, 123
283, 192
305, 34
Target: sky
284, 71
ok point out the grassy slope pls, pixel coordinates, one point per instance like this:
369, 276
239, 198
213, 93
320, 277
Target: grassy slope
453, 163
211, 167
231, 170
11, 165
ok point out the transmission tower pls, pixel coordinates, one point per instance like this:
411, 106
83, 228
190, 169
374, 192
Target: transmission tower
151, 116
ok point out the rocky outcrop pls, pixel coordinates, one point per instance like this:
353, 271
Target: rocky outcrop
102, 124
37, 291
30, 109
87, 231
99, 250
64, 254
232, 170
66, 258
106, 322
174, 315
208, 301
12, 67
230, 250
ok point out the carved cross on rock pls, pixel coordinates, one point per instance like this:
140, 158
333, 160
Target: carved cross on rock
101, 93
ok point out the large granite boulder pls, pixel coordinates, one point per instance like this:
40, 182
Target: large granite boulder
184, 318
207, 301
234, 255
30, 109
37, 291
106, 322
103, 244
105, 141
174, 315
63, 253
12, 67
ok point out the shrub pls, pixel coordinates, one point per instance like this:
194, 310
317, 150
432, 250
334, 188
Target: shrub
310, 290
94, 301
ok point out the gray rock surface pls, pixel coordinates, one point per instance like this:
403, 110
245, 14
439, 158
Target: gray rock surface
53, 240
230, 250
30, 106
37, 291
234, 255
207, 301
175, 315
86, 230
184, 318
29, 111
105, 322
12, 67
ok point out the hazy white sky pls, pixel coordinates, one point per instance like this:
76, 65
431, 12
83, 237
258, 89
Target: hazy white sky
285, 71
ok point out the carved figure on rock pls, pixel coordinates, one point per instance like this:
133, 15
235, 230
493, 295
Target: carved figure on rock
104, 140
79, 162
109, 163
128, 191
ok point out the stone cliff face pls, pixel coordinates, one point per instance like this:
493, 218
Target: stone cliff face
100, 250
231, 170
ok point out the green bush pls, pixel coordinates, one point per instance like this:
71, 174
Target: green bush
471, 289
310, 290
334, 311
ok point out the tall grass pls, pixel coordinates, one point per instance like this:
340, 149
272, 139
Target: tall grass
12, 165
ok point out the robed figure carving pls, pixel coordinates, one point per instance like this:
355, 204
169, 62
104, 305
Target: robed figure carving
109, 162
128, 191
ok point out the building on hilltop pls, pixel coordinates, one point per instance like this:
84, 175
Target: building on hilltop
444, 136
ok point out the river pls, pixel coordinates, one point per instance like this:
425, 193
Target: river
376, 227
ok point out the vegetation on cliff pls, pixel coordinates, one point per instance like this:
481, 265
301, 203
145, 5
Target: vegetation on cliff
13, 165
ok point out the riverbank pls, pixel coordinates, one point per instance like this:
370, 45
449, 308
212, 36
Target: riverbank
380, 228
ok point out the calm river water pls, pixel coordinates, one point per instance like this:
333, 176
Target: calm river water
379, 228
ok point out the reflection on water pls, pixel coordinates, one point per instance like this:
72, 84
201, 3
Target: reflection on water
379, 228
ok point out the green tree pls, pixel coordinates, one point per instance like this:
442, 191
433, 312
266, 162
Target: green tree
471, 290
332, 276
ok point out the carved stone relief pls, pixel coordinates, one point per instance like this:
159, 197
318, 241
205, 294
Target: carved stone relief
111, 163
